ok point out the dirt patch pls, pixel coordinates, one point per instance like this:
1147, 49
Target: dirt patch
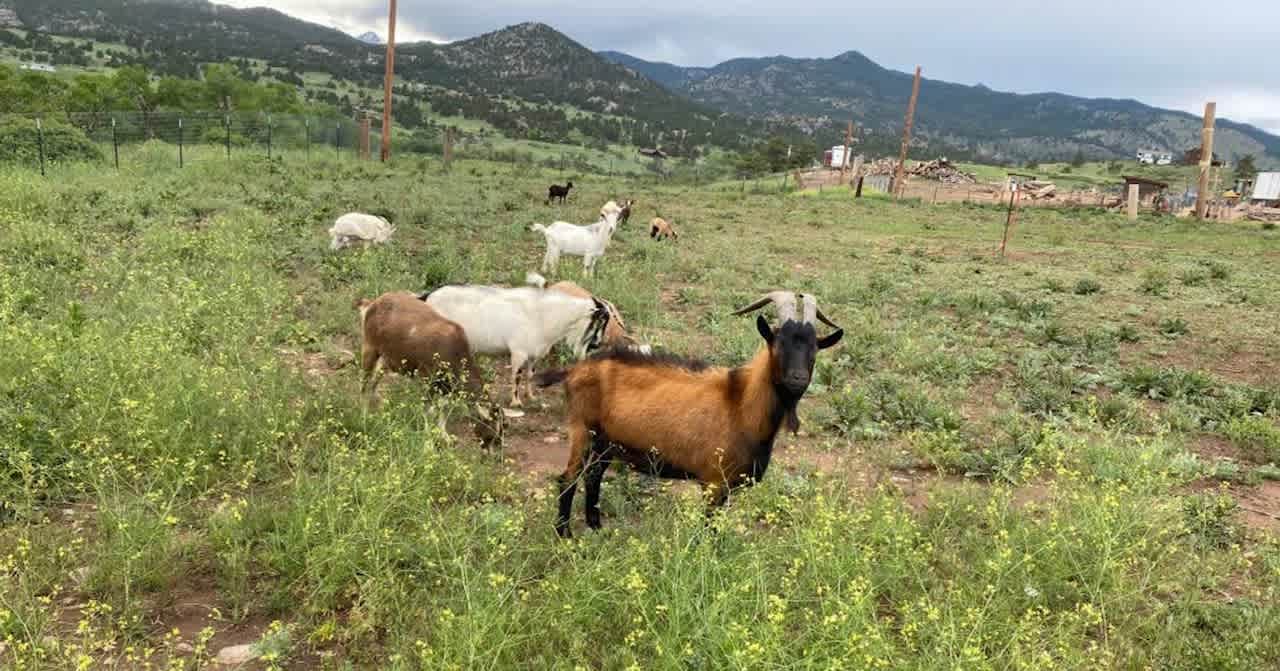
1248, 366
1260, 506
1215, 448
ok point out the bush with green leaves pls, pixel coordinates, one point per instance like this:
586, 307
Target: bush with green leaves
1087, 286
20, 142
1256, 435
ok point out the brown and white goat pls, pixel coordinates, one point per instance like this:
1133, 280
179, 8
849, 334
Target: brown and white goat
660, 229
621, 213
682, 419
403, 334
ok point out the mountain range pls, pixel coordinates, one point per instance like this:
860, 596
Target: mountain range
534, 81
823, 94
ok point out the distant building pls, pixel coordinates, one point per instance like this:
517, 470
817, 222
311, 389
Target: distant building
1155, 157
1266, 188
39, 67
837, 157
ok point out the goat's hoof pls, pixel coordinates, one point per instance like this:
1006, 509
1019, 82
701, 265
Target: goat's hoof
593, 520
562, 530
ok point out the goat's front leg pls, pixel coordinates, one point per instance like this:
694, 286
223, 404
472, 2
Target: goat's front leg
579, 444
518, 360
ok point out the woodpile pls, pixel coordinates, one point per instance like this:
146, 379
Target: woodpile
1039, 190
1269, 216
940, 170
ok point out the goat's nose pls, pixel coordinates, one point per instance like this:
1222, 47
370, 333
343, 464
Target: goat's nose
797, 378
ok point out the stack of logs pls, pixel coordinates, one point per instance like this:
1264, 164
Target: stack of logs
940, 170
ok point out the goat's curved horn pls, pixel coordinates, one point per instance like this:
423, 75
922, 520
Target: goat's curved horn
784, 300
823, 318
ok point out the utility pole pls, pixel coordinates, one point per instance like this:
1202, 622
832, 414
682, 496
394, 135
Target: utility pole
899, 174
848, 149
388, 78
1206, 160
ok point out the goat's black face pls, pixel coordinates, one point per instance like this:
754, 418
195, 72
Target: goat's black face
593, 338
794, 348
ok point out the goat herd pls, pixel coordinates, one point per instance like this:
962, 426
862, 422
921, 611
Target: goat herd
662, 415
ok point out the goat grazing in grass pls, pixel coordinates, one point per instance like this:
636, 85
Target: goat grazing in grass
589, 242
660, 229
522, 322
615, 332
354, 227
676, 418
557, 192
403, 334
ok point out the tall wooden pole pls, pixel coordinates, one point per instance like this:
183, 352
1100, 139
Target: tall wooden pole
1206, 160
899, 174
848, 147
387, 81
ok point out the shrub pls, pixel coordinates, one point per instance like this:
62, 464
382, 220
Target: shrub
1127, 333
1155, 282
218, 136
1210, 519
1194, 276
1217, 269
1087, 286
19, 142
1167, 384
1258, 437
1174, 327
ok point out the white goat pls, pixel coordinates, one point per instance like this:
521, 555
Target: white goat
524, 322
359, 227
589, 242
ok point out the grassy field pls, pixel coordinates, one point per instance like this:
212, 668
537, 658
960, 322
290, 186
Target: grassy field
1105, 175
1064, 459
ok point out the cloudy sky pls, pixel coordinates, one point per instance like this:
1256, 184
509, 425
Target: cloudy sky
1171, 53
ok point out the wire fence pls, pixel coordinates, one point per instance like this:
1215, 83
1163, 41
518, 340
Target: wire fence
123, 139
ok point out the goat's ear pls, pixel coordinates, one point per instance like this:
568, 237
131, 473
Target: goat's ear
830, 340
762, 325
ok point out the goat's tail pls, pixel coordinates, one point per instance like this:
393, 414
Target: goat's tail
362, 305
538, 228
535, 280
550, 378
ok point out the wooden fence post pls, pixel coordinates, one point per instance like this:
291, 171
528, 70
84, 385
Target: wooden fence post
1133, 202
1009, 219
900, 174
1206, 160
40, 144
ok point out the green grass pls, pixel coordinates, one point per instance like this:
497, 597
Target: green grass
1005, 464
1091, 174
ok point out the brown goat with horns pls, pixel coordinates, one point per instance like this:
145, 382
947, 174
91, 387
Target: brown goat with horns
675, 418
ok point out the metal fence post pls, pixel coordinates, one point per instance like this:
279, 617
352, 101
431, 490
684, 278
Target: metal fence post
268, 137
40, 144
337, 140
226, 121
115, 143
306, 125
180, 158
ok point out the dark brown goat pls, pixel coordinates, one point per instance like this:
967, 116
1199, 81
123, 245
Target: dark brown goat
683, 419
557, 192
405, 335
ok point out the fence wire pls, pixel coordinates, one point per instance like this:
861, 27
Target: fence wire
125, 139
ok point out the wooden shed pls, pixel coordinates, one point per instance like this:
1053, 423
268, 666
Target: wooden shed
1148, 189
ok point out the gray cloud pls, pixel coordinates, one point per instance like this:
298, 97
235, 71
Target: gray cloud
1166, 53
